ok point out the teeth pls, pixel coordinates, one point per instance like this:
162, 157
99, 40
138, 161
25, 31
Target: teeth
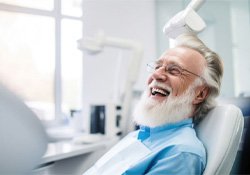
156, 90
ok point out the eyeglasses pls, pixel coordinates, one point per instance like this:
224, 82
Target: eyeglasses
172, 69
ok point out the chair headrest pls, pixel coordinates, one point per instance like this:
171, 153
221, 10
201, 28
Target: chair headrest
220, 131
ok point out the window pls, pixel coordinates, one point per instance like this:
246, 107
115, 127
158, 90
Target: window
39, 58
71, 65
37, 4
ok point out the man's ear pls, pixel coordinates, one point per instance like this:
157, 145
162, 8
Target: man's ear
200, 94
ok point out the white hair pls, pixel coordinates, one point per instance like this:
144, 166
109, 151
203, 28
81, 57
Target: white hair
212, 73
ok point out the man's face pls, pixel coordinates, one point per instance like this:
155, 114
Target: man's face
169, 97
175, 84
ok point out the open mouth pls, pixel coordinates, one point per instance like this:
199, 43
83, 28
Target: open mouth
159, 92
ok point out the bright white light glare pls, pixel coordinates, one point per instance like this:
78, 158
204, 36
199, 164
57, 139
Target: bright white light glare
72, 7
27, 58
39, 4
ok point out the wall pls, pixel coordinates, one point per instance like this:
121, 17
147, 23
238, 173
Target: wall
218, 36
130, 19
240, 12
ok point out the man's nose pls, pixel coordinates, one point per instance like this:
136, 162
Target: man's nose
160, 74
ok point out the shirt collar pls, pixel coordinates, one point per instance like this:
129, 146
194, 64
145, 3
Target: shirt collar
145, 131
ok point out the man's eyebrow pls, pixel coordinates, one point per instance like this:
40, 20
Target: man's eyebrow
172, 62
159, 61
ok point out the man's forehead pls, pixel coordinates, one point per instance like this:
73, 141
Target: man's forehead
162, 60
172, 54
181, 53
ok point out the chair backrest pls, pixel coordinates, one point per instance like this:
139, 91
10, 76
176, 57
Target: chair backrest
23, 140
221, 131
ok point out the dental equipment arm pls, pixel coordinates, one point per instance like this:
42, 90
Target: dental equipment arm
96, 45
186, 21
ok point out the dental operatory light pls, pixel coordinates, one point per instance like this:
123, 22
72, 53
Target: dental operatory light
186, 21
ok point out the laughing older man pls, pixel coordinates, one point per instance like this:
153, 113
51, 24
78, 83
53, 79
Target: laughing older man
182, 87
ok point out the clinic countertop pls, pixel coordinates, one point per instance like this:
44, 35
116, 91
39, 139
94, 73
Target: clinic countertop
66, 149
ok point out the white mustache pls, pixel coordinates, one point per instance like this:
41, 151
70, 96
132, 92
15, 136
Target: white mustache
156, 83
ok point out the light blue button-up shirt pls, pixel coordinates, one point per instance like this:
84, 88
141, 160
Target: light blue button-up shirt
175, 149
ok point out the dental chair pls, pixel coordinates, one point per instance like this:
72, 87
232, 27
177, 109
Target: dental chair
221, 131
23, 140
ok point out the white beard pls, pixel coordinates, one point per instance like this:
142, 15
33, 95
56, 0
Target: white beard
151, 113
